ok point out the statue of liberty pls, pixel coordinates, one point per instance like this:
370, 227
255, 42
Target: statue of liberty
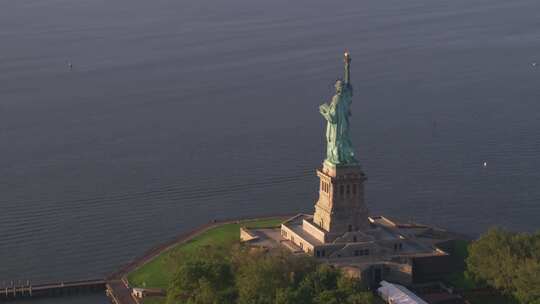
339, 149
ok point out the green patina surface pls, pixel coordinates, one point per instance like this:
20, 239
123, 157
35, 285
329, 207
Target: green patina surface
339, 149
158, 272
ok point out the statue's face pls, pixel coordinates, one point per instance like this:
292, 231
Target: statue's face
338, 86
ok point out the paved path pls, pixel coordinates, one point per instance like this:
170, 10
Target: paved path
119, 292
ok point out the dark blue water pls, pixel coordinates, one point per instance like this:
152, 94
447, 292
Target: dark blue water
179, 112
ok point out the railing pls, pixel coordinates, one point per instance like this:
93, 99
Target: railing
19, 290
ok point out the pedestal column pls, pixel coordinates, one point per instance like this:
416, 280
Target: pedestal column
341, 207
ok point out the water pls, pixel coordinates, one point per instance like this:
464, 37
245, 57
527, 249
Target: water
85, 298
178, 112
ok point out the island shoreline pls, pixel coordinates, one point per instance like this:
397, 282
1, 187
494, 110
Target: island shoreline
117, 285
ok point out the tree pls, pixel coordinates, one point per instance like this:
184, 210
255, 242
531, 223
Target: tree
323, 278
509, 262
361, 298
260, 274
286, 296
252, 276
490, 259
328, 297
527, 281
330, 285
354, 291
203, 278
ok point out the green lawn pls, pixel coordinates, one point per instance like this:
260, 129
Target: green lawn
158, 272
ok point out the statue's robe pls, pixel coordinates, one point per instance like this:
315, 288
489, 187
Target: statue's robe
338, 146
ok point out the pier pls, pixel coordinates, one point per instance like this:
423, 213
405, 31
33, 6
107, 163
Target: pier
18, 290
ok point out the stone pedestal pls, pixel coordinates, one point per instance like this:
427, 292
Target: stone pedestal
341, 207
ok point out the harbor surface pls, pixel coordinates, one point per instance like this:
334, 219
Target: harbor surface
166, 119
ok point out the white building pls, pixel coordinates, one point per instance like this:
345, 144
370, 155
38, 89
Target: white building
397, 294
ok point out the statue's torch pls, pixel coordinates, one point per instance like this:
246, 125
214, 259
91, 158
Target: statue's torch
347, 59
